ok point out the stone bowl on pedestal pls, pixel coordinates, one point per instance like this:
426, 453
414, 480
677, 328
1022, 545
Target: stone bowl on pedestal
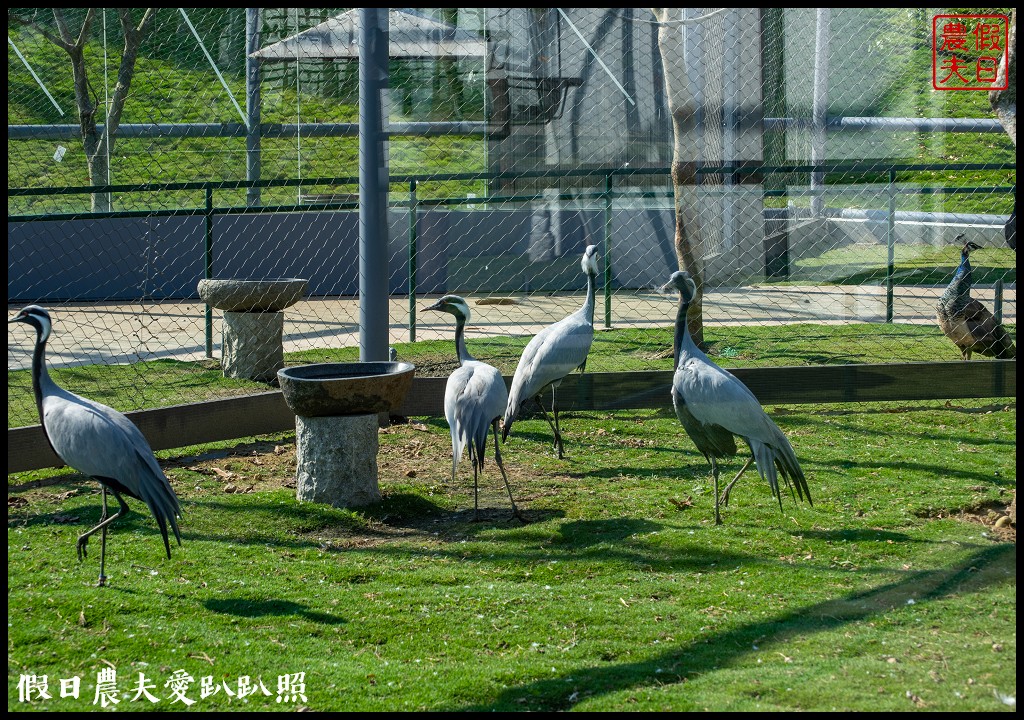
233, 295
336, 407
345, 388
252, 344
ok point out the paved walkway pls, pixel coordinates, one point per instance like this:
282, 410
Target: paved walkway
123, 333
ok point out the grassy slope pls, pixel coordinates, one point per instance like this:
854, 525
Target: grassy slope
165, 90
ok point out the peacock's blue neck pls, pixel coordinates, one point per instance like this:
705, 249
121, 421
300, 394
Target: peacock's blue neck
958, 293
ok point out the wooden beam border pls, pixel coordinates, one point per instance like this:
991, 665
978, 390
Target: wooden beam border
263, 413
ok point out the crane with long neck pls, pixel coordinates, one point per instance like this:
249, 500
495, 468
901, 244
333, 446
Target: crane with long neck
99, 442
714, 407
553, 353
474, 399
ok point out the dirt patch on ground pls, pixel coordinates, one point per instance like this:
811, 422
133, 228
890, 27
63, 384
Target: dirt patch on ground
1000, 519
410, 454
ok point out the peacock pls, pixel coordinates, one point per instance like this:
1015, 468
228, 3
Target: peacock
964, 320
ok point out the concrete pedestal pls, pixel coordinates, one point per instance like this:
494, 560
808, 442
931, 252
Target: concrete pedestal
253, 345
337, 460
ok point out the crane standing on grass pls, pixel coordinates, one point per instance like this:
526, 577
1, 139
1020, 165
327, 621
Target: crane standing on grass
552, 354
100, 442
713, 406
474, 398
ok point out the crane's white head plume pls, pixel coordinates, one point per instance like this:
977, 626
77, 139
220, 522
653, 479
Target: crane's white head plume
681, 282
452, 304
589, 261
35, 316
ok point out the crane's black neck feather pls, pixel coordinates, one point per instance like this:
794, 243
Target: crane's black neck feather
682, 330
460, 340
39, 377
588, 305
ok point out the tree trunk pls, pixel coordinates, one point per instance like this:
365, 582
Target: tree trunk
92, 139
97, 145
683, 108
1004, 102
448, 95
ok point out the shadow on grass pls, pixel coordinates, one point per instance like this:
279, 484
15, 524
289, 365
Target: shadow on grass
857, 535
249, 608
583, 533
984, 568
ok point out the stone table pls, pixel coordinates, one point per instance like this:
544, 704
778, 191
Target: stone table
252, 344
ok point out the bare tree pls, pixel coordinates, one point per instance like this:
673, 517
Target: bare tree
683, 108
98, 145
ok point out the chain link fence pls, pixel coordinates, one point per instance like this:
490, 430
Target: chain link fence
834, 181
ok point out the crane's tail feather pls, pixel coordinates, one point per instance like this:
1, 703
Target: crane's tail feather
789, 468
780, 459
471, 426
458, 443
155, 490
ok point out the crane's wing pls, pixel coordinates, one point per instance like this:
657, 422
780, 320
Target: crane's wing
101, 442
717, 397
474, 396
552, 354
711, 440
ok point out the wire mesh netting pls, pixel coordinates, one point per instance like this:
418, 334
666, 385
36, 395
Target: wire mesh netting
831, 170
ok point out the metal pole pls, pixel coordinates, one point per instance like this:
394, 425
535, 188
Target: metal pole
820, 109
209, 268
373, 187
890, 241
412, 260
730, 133
998, 305
252, 104
608, 250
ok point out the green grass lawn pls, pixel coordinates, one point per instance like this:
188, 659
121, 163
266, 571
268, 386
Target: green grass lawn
893, 592
914, 265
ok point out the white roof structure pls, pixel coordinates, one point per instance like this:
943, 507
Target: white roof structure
411, 35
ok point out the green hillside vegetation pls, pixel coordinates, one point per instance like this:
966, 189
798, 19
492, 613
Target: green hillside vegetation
182, 89
173, 83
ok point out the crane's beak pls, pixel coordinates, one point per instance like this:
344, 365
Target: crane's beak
435, 306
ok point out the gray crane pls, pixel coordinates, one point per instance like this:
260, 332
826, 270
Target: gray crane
474, 398
714, 406
100, 442
970, 325
552, 354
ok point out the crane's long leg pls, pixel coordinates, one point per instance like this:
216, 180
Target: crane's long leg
558, 429
728, 488
501, 466
554, 427
83, 539
714, 473
476, 507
